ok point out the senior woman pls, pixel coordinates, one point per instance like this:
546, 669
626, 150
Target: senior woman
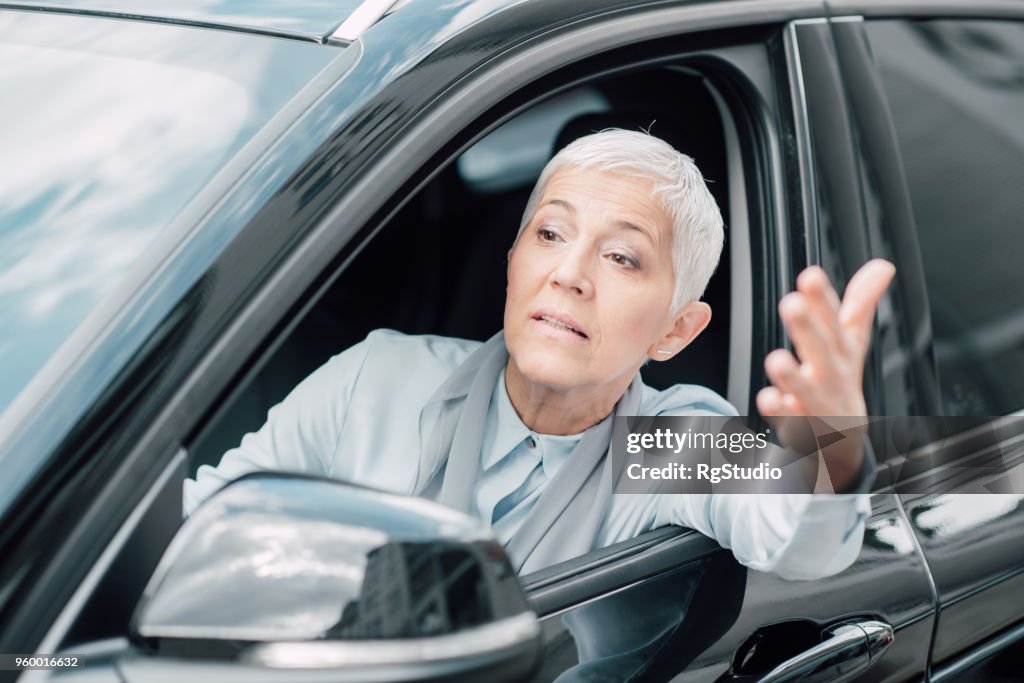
617, 244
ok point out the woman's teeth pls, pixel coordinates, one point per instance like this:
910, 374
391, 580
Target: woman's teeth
559, 323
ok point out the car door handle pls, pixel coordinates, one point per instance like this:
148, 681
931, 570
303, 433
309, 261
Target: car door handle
848, 650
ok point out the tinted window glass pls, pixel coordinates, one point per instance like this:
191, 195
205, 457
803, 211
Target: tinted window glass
956, 91
107, 129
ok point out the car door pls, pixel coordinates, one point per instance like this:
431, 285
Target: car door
940, 100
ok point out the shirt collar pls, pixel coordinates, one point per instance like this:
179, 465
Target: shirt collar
505, 432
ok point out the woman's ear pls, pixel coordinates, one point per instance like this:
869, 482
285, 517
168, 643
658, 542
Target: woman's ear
688, 323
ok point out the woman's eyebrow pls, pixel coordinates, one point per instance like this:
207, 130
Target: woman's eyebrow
562, 203
627, 225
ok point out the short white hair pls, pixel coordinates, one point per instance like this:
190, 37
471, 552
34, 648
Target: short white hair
697, 228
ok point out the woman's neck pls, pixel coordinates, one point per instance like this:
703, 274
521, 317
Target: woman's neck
546, 410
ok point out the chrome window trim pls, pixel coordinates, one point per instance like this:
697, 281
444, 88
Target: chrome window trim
364, 16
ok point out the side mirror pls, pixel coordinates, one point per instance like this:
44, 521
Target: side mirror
280, 574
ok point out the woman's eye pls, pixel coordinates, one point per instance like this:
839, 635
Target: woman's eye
622, 260
547, 235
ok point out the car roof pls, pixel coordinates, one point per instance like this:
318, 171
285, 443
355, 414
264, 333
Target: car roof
303, 19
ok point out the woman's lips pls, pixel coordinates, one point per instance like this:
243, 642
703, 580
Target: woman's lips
557, 317
557, 329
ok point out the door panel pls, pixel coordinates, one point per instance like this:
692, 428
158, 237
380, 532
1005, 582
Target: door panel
691, 621
888, 581
974, 544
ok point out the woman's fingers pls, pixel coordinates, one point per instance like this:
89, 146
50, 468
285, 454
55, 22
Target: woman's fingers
830, 338
789, 387
783, 414
861, 298
812, 338
769, 401
822, 300
783, 371
773, 403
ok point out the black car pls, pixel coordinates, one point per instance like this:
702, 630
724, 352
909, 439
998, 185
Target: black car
202, 201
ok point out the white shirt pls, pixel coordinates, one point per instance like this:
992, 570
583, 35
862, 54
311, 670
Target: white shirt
356, 419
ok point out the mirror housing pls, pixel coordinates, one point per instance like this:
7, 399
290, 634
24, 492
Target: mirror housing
290, 572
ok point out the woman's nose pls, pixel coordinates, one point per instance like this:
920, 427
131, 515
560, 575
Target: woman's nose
572, 273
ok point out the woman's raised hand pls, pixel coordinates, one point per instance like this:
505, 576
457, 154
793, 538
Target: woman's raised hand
826, 376
831, 338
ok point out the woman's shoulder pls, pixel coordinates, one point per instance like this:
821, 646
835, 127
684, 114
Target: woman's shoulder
387, 356
426, 359
431, 349
684, 399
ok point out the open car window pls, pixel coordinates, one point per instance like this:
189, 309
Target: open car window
438, 265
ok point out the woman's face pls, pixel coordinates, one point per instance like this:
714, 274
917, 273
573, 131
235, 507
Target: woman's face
590, 283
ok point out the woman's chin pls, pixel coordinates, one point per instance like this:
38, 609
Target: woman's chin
551, 369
